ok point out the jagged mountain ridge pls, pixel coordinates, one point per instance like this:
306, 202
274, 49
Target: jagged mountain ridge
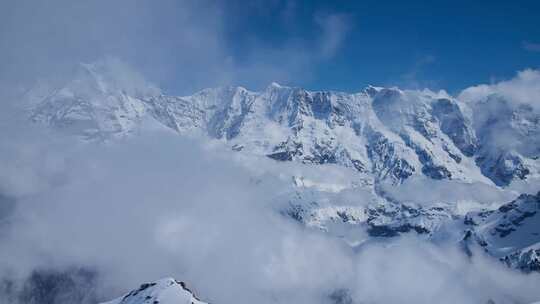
386, 133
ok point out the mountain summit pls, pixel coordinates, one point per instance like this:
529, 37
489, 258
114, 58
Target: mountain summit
164, 291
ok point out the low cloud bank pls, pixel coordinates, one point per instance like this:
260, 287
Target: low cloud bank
426, 191
158, 205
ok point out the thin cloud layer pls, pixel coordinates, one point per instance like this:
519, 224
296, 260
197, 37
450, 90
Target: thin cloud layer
334, 29
531, 46
183, 46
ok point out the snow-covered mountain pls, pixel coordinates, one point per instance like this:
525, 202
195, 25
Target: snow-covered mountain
380, 136
95, 103
387, 134
164, 291
511, 232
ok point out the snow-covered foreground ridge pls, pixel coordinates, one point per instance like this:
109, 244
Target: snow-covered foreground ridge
164, 291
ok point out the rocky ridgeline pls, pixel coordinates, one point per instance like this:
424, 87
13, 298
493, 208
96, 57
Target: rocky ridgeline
387, 133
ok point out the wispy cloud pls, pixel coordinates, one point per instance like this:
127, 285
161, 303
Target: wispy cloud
334, 30
530, 46
413, 77
204, 220
180, 45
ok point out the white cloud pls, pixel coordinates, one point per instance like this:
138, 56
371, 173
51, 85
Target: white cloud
183, 46
159, 205
426, 191
522, 89
334, 30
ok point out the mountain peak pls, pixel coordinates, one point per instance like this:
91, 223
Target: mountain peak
163, 291
372, 90
275, 84
110, 75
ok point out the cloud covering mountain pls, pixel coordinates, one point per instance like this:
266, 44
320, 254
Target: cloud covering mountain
147, 155
284, 195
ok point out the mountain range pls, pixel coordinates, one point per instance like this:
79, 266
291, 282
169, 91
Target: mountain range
386, 139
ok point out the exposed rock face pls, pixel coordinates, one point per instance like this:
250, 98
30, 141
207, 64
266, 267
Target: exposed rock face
512, 232
454, 124
511, 217
379, 220
527, 260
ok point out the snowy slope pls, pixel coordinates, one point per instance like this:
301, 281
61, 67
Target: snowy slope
511, 232
509, 138
164, 291
515, 225
94, 104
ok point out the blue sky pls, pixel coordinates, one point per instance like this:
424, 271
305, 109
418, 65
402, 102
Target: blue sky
187, 45
438, 44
